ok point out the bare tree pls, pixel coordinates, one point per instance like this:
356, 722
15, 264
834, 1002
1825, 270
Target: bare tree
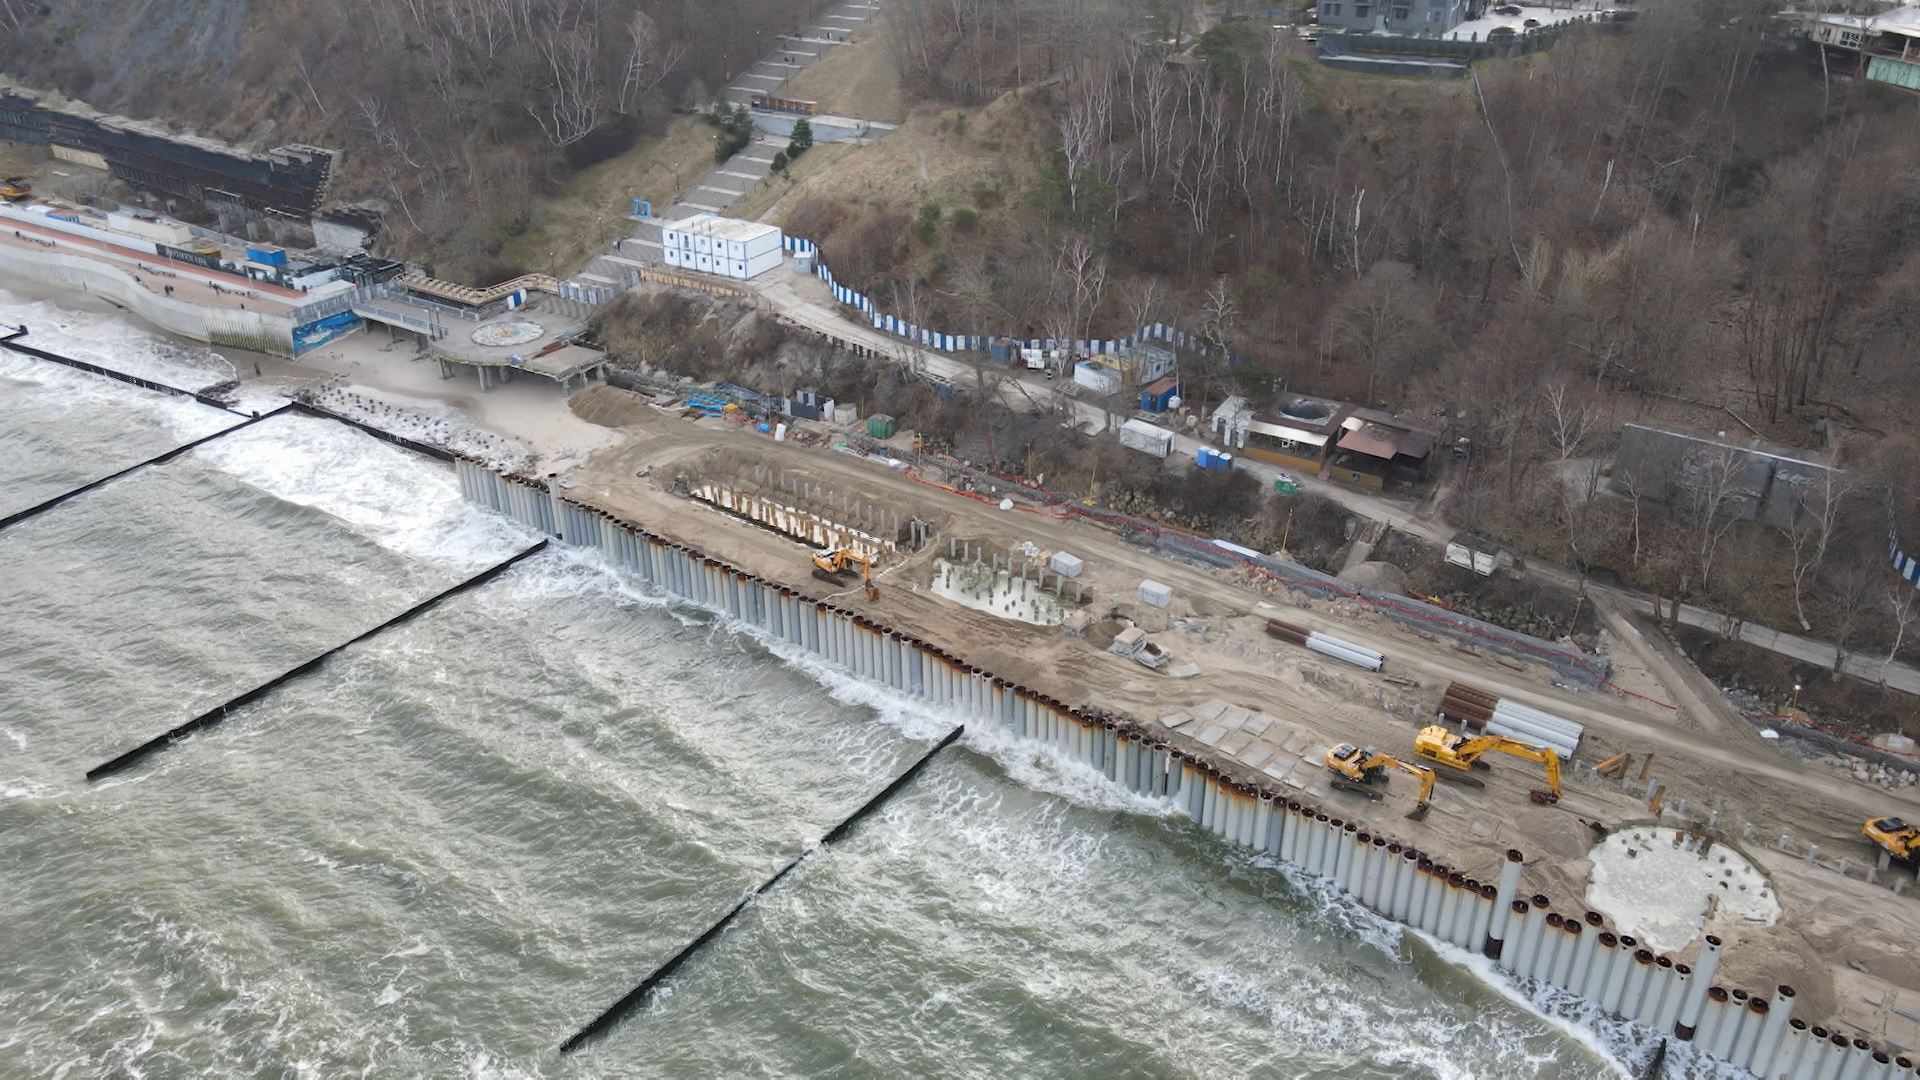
1900, 610
1381, 322
1083, 273
1575, 480
1816, 512
649, 59
566, 97
1711, 484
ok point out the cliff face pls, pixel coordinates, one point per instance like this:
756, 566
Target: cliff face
458, 113
145, 58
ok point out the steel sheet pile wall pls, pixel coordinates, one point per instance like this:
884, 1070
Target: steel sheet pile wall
1400, 882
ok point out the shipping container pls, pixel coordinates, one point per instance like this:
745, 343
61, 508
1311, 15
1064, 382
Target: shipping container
880, 426
1161, 395
267, 254
1144, 437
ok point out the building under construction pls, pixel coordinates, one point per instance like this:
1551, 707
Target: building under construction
289, 182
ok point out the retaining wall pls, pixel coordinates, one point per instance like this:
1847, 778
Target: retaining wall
241, 329
1526, 939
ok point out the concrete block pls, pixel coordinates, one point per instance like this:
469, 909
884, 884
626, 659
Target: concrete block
1065, 564
1154, 594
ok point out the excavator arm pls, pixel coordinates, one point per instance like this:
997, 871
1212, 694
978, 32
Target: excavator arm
1458, 752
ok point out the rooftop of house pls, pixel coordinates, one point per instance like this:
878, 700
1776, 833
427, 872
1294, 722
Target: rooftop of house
723, 228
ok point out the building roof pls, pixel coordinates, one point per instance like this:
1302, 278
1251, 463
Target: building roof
1283, 431
1899, 20
723, 228
1161, 385
1372, 440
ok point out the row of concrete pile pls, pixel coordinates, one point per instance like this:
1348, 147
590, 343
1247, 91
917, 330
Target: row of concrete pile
1396, 880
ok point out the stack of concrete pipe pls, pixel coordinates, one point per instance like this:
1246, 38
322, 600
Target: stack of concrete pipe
1326, 645
1516, 721
1533, 944
1476, 710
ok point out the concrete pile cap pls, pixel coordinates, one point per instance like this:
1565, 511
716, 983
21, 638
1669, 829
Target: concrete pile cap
1154, 593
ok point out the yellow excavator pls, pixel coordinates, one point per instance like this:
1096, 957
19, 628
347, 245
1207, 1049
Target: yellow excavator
831, 565
1896, 837
1357, 770
16, 188
1461, 755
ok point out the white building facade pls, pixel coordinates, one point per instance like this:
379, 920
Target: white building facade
724, 246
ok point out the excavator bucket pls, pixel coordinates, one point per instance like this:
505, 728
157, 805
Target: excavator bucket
1419, 813
1543, 797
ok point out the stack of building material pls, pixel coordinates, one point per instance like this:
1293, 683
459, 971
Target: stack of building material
1468, 707
1155, 594
1516, 721
1326, 645
1066, 564
1473, 709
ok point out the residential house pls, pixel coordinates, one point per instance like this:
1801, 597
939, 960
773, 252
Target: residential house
1417, 18
1373, 450
1882, 48
1298, 435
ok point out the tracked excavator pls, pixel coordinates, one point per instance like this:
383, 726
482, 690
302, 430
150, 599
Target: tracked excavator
832, 565
1357, 770
16, 188
1897, 838
1460, 755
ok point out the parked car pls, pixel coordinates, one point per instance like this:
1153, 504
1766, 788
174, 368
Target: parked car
1286, 484
1502, 33
1531, 23
1507, 9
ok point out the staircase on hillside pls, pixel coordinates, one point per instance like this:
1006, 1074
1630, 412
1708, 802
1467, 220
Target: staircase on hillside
730, 181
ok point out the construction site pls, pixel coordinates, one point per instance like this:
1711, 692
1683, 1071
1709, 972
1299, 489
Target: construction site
1268, 687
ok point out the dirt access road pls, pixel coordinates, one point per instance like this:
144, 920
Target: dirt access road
805, 302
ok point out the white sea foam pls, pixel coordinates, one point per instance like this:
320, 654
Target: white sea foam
114, 341
384, 493
54, 390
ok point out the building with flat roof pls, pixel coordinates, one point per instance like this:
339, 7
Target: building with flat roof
728, 247
1299, 434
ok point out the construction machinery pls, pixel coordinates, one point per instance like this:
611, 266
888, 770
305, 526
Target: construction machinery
832, 565
1461, 755
16, 188
1897, 838
1357, 770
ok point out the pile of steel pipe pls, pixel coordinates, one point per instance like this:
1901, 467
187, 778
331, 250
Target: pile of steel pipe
1357, 655
1524, 937
1516, 721
1468, 707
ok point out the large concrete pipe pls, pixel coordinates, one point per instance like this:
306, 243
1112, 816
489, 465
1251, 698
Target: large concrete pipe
1510, 957
1503, 902
1703, 969
1417, 894
1619, 969
1732, 1016
1330, 855
1583, 955
1713, 1014
1766, 1050
1569, 953
1521, 733
1482, 917
1748, 1037
1545, 721
1677, 989
1786, 1059
1409, 864
1372, 849
1316, 843
1856, 1058
1658, 981
1550, 946
1453, 887
1390, 867
1343, 870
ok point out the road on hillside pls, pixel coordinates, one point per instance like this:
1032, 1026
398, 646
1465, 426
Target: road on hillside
785, 295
